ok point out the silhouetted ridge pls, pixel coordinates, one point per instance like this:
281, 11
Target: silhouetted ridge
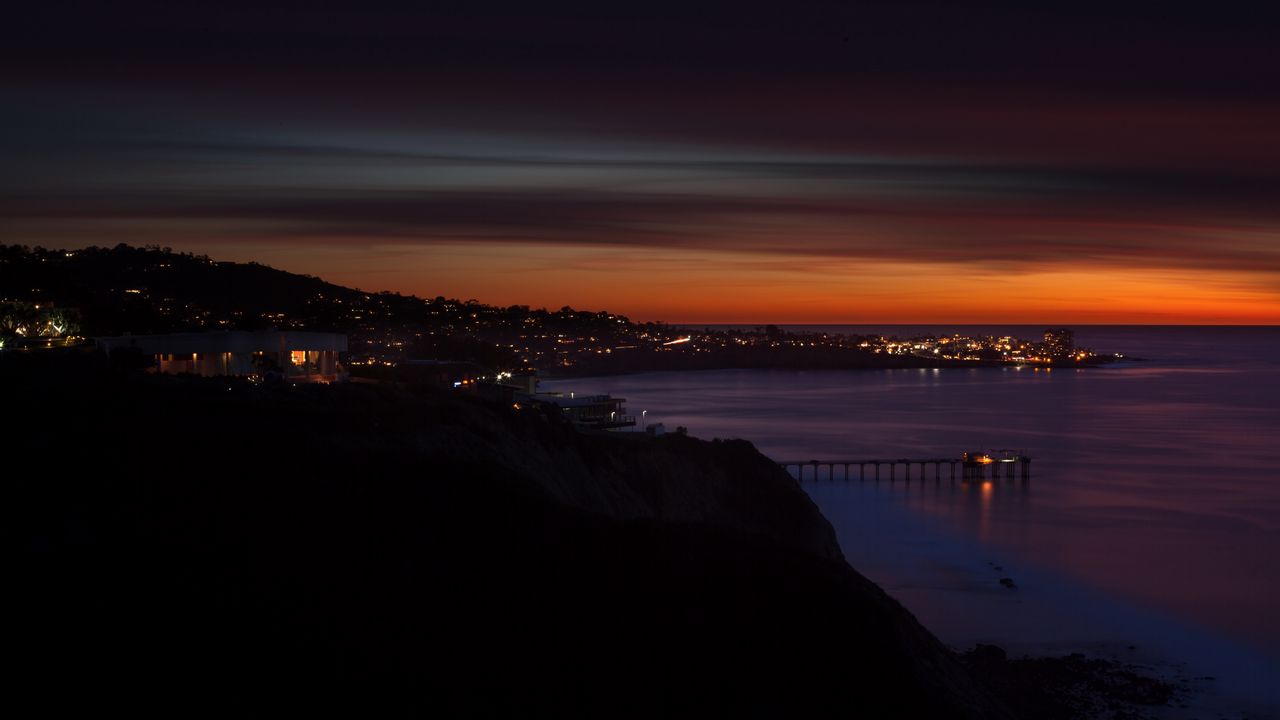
204, 547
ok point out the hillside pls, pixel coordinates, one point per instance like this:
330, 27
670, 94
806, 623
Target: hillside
111, 291
155, 290
148, 289
205, 547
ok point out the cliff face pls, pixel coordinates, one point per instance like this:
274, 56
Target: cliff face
210, 547
632, 476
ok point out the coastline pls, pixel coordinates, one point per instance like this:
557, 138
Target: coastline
951, 583
685, 363
667, 537
413, 549
932, 564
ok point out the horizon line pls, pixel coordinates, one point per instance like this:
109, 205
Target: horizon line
969, 322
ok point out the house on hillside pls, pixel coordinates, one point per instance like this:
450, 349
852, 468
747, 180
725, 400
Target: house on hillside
594, 412
292, 356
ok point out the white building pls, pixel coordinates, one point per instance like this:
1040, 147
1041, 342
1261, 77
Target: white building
295, 356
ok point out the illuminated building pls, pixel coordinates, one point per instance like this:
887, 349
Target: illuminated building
291, 356
595, 412
1059, 341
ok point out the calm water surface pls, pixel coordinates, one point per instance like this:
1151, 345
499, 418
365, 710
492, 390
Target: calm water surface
1153, 512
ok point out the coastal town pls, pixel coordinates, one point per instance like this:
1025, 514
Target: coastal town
55, 298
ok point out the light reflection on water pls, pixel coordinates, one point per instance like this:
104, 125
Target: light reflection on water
1158, 483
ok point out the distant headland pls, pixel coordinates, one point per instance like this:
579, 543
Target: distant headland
58, 297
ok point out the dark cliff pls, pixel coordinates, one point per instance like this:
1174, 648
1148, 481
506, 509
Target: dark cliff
203, 547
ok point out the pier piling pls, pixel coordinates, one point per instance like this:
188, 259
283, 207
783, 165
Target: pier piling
1014, 467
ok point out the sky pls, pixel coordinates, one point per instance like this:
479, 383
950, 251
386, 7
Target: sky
825, 162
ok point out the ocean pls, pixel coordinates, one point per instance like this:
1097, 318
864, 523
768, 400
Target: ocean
1149, 530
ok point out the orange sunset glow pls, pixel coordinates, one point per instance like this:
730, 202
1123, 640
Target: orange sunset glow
697, 287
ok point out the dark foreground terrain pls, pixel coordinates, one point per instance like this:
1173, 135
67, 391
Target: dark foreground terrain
213, 547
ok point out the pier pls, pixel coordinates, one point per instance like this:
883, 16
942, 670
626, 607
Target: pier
989, 468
